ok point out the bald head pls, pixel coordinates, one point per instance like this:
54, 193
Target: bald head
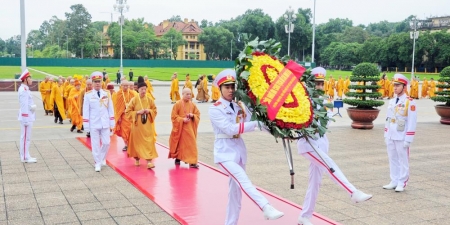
187, 94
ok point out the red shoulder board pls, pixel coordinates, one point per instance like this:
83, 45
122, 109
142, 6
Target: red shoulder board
217, 103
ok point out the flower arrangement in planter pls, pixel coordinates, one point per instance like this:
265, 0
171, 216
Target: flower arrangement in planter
443, 110
364, 97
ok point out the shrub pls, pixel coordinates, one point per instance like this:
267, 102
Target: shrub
444, 95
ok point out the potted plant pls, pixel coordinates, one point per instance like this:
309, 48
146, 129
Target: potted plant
443, 110
363, 114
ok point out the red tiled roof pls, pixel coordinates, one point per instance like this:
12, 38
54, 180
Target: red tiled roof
185, 28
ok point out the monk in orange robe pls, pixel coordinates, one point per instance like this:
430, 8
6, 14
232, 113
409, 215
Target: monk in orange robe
205, 88
414, 89
200, 91
432, 88
425, 88
123, 124
215, 92
188, 84
340, 87
45, 88
346, 84
57, 97
174, 89
391, 89
387, 84
331, 87
183, 138
67, 91
141, 111
75, 107
149, 88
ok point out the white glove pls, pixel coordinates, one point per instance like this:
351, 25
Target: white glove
386, 141
32, 108
406, 144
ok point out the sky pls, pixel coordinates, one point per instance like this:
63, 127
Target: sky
359, 11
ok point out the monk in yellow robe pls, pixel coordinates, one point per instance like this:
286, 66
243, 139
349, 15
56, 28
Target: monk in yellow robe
75, 107
45, 87
381, 84
387, 84
414, 89
215, 92
424, 88
205, 88
183, 138
432, 88
200, 91
58, 106
340, 87
174, 89
346, 84
67, 91
141, 111
188, 84
149, 88
331, 87
123, 124
391, 89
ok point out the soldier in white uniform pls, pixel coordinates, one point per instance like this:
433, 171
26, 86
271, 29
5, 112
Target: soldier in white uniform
399, 132
228, 121
317, 165
98, 119
26, 117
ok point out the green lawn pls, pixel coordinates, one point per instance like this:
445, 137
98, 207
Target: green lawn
163, 74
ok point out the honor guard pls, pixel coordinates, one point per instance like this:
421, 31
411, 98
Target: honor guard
399, 131
26, 117
98, 119
229, 120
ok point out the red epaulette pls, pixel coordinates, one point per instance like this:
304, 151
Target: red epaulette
217, 103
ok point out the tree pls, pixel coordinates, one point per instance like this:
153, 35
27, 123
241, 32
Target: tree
98, 25
444, 95
176, 18
336, 25
354, 35
2, 45
36, 39
78, 22
13, 46
257, 23
175, 39
442, 48
216, 41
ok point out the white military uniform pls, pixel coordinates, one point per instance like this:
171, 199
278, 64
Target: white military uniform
230, 154
26, 117
98, 119
399, 131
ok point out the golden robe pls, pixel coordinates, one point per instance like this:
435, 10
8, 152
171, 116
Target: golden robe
123, 124
387, 84
331, 87
346, 84
57, 98
215, 93
150, 90
340, 87
183, 138
424, 88
46, 88
391, 89
205, 88
200, 92
381, 83
432, 90
414, 89
142, 139
188, 84
67, 90
174, 90
75, 101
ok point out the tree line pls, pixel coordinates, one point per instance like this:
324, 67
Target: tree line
339, 43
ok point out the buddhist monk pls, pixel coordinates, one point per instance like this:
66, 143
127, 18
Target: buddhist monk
183, 138
425, 88
58, 106
432, 88
391, 89
141, 111
205, 88
75, 101
123, 124
215, 92
340, 87
188, 84
414, 89
200, 91
331, 87
67, 89
346, 84
45, 87
149, 88
174, 89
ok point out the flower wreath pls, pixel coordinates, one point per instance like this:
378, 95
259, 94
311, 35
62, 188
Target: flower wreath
300, 115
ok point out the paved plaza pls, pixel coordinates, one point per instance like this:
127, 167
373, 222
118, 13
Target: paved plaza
62, 188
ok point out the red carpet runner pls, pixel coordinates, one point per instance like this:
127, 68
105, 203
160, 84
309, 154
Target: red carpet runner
193, 196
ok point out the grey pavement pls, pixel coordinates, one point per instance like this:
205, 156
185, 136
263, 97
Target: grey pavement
62, 188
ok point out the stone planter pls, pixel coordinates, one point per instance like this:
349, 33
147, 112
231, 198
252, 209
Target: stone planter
444, 112
362, 118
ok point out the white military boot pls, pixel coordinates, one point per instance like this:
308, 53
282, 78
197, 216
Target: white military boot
304, 221
359, 196
270, 213
390, 186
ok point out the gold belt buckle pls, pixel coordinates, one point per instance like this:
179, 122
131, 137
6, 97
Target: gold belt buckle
392, 120
236, 136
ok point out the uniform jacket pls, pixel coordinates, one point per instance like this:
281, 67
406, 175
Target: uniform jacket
98, 112
404, 110
223, 120
27, 106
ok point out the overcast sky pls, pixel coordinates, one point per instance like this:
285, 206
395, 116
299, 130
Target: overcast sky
154, 11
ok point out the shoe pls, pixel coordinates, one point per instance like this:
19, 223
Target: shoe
79, 131
193, 166
390, 186
56, 119
304, 221
88, 135
399, 189
359, 196
136, 162
29, 160
98, 168
177, 162
270, 213
72, 128
60, 122
125, 148
150, 165
104, 162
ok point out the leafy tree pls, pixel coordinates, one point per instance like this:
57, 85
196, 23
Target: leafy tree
13, 46
336, 25
444, 95
2, 45
174, 38
78, 22
216, 41
176, 18
98, 25
442, 48
354, 35
257, 23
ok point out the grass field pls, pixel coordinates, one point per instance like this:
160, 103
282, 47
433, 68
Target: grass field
163, 74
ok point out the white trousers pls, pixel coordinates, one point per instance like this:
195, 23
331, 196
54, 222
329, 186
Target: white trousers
239, 181
25, 138
99, 151
316, 169
398, 162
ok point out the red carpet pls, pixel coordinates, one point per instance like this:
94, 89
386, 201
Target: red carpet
193, 196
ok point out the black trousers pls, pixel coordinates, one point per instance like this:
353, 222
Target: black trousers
56, 113
118, 80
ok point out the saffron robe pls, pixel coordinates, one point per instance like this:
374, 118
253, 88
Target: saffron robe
57, 97
123, 124
45, 88
150, 90
174, 90
188, 84
74, 102
432, 90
